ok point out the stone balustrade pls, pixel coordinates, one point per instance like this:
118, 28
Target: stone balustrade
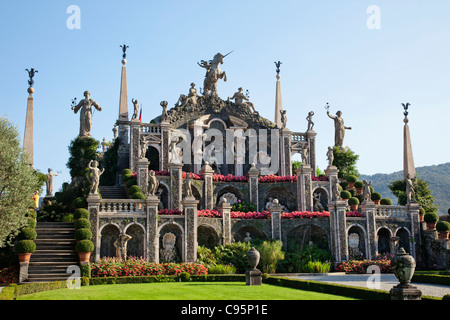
391, 212
151, 128
113, 206
298, 137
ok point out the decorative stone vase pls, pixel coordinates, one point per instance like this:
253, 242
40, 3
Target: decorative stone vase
443, 234
253, 257
24, 257
84, 256
403, 266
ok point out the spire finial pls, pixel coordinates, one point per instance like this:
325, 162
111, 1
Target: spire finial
31, 74
405, 113
278, 64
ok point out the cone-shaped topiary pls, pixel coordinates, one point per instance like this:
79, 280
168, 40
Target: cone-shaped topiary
84, 246
25, 246
82, 223
81, 213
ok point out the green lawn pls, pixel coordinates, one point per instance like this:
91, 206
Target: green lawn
181, 291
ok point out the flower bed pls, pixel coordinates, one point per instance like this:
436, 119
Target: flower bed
274, 178
360, 266
250, 215
353, 214
9, 275
229, 178
174, 212
115, 267
320, 178
209, 213
304, 215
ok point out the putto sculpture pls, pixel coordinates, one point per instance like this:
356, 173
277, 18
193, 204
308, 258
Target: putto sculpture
153, 183
86, 105
213, 74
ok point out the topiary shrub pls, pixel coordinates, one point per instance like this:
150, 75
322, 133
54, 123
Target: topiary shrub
346, 194
138, 195
358, 184
27, 234
376, 196
133, 189
125, 172
84, 246
81, 213
83, 234
443, 226
82, 223
352, 178
184, 277
127, 177
79, 202
25, 246
130, 182
31, 222
431, 217
386, 202
353, 201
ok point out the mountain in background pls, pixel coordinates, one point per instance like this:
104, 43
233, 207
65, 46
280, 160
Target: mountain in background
437, 176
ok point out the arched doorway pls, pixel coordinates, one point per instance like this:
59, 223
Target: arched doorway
136, 245
152, 155
356, 243
109, 234
207, 236
403, 239
384, 239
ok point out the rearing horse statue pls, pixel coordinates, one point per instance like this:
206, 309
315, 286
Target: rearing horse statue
213, 74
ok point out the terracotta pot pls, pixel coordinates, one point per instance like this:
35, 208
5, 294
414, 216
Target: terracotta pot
443, 234
351, 185
354, 207
377, 202
84, 256
421, 217
359, 190
24, 257
431, 225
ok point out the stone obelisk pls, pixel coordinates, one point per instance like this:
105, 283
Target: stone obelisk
123, 100
408, 160
28, 138
278, 102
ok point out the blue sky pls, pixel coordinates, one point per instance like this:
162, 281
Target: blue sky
327, 51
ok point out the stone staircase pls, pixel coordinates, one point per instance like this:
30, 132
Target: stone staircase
113, 192
55, 252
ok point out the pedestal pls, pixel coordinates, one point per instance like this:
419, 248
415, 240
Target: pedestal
152, 203
23, 271
253, 277
405, 292
175, 186
190, 214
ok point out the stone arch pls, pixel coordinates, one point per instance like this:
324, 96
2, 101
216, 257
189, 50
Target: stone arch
300, 237
384, 240
240, 234
228, 189
207, 236
136, 245
164, 197
357, 242
285, 197
108, 234
323, 196
222, 167
153, 155
404, 236
178, 231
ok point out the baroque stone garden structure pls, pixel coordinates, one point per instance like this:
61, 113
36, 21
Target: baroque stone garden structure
208, 153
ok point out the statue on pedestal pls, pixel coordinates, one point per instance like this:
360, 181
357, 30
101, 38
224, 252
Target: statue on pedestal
153, 183
175, 152
95, 178
310, 122
121, 246
213, 74
191, 98
136, 109
410, 189
330, 156
367, 193
49, 183
283, 119
240, 99
86, 105
165, 114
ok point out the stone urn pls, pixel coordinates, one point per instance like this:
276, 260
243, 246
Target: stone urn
253, 258
403, 266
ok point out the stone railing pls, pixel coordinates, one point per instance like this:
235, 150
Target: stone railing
391, 212
151, 128
122, 206
298, 137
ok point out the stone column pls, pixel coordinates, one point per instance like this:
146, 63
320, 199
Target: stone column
225, 210
176, 186
142, 174
197, 145
285, 153
275, 219
190, 219
304, 189
253, 176
165, 142
208, 186
368, 210
338, 234
152, 228
134, 144
93, 201
332, 174
311, 138
413, 211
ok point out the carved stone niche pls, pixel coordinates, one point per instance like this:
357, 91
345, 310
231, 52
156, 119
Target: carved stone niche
231, 198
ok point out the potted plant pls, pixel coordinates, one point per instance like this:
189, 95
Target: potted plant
84, 248
81, 213
421, 213
83, 234
443, 227
353, 203
346, 195
351, 179
24, 249
359, 187
431, 219
376, 197
386, 202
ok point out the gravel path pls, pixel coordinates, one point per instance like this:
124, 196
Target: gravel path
385, 283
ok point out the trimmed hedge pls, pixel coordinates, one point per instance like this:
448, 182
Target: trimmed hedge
25, 246
81, 213
27, 234
13, 290
83, 234
431, 278
82, 223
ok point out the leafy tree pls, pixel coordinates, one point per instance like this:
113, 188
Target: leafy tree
82, 150
345, 160
423, 194
17, 183
109, 162
296, 165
